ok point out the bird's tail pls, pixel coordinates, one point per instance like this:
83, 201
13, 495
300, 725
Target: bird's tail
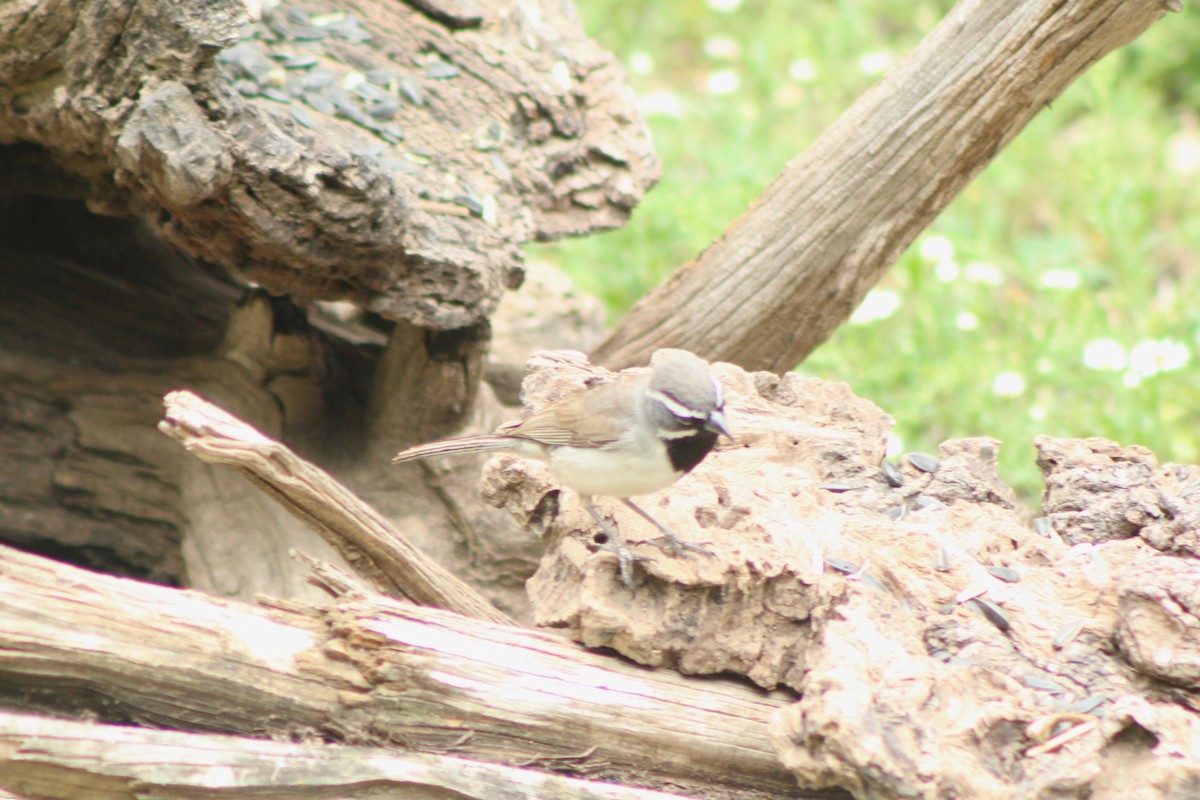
468, 444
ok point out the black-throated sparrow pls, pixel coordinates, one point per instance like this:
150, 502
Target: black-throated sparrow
631, 436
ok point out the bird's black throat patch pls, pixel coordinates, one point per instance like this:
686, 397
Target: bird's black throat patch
686, 452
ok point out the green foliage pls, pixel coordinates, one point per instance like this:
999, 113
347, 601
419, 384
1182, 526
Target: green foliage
1086, 228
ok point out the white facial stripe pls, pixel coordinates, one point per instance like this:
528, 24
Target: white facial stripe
720, 393
675, 407
686, 433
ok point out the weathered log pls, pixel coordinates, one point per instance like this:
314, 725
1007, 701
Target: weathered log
58, 759
367, 150
371, 671
792, 269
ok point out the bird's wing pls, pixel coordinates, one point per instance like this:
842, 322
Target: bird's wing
586, 420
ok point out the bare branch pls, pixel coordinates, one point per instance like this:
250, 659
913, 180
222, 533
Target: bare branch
794, 267
377, 550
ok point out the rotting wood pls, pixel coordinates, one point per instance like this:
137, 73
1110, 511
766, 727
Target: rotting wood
369, 542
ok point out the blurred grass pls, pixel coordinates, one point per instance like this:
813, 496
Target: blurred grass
1102, 188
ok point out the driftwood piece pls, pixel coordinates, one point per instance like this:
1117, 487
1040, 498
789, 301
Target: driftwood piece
375, 672
372, 545
58, 759
366, 150
796, 265
940, 645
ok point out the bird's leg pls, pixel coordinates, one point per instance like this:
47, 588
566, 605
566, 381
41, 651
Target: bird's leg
678, 545
625, 556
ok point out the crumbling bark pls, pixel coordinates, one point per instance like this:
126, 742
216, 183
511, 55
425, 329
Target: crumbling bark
374, 151
794, 267
940, 644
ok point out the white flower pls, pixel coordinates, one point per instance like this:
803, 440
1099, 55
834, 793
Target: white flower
966, 321
641, 63
875, 63
878, 304
1037, 413
723, 47
936, 248
982, 272
661, 104
724, 6
1008, 384
803, 70
1152, 356
1104, 354
1060, 279
1183, 153
723, 81
947, 271
895, 445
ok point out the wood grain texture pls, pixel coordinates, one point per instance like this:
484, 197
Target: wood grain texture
59, 759
404, 176
794, 267
377, 672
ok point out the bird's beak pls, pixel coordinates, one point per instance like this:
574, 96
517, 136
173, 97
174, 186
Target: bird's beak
716, 423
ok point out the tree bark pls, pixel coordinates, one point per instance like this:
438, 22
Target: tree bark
375, 672
794, 267
391, 154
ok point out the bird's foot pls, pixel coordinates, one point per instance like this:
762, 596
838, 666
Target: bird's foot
680, 547
613, 543
626, 558
677, 545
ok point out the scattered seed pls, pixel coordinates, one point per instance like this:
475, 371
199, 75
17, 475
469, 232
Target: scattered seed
941, 560
499, 167
924, 501
300, 62
301, 115
469, 203
1006, 574
1040, 683
319, 79
298, 15
278, 95
1087, 705
1042, 526
924, 462
1067, 633
892, 474
392, 133
991, 613
411, 91
845, 567
246, 88
383, 76
838, 488
319, 102
869, 580
308, 33
440, 70
371, 92
385, 111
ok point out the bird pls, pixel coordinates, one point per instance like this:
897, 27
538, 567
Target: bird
634, 435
